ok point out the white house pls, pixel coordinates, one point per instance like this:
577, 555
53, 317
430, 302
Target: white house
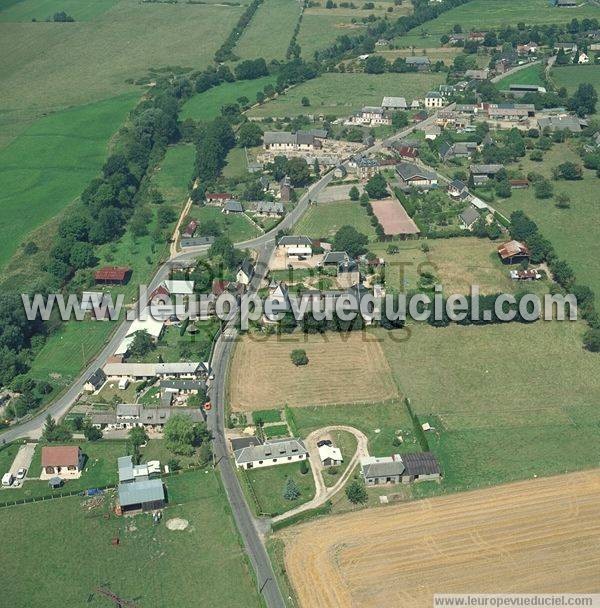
245, 272
296, 246
184, 288
330, 456
251, 453
583, 58
434, 99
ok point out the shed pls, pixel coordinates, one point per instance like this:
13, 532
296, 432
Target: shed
112, 275
144, 495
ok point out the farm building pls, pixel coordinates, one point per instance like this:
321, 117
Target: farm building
561, 123
480, 174
348, 274
513, 251
525, 275
112, 275
64, 461
413, 176
422, 63
419, 466
333, 258
218, 198
282, 141
270, 453
394, 103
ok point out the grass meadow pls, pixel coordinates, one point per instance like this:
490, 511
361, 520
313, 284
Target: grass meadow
319, 31
236, 226
40, 10
342, 94
152, 565
571, 77
323, 220
498, 13
207, 105
270, 30
529, 75
569, 230
49, 165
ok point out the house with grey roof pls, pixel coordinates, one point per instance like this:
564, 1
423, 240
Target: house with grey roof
268, 208
129, 415
405, 468
270, 453
333, 258
283, 141
460, 149
458, 190
394, 103
181, 369
232, 206
569, 123
411, 175
296, 246
245, 272
468, 218
95, 381
480, 174
422, 62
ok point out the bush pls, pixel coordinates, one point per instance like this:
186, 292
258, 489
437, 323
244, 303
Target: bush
304, 467
357, 492
299, 357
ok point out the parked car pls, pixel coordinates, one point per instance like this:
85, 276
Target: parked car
7, 479
21, 473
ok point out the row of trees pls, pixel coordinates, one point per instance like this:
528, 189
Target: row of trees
225, 51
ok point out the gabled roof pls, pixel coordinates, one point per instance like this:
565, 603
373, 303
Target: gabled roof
112, 273
329, 451
335, 257
408, 171
485, 169
140, 492
457, 184
422, 60
97, 378
181, 367
272, 448
60, 456
233, 206
287, 240
382, 467
512, 249
469, 216
394, 102
247, 268
420, 463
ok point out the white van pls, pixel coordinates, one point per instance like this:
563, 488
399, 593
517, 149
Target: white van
7, 479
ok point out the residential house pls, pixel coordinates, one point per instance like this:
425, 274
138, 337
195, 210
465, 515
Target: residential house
112, 275
413, 176
476, 36
340, 172
64, 461
282, 141
130, 415
330, 456
190, 230
513, 251
268, 208
457, 39
180, 386
285, 189
480, 174
245, 272
458, 190
296, 246
198, 241
407, 152
180, 369
527, 49
334, 258
364, 168
447, 90
567, 47
272, 452
218, 198
422, 63
232, 206
95, 381
432, 132
348, 274
394, 103
418, 466
460, 149
469, 217
370, 116
434, 99
133, 371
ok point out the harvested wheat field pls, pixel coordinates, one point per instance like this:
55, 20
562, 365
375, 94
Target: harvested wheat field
535, 536
342, 368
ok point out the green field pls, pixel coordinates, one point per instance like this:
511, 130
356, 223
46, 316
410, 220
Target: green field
270, 30
236, 164
347, 443
323, 220
174, 174
268, 485
50, 66
497, 13
236, 226
569, 230
342, 94
507, 401
571, 77
40, 10
152, 565
529, 75
320, 31
207, 105
49, 165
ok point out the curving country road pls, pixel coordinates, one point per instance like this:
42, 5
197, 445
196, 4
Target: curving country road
247, 524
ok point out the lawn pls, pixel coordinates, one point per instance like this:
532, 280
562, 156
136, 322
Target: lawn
236, 227
207, 105
342, 94
498, 13
323, 220
49, 165
276, 430
571, 77
347, 443
264, 487
270, 30
402, 269
266, 415
507, 401
529, 75
152, 565
569, 230
174, 174
51, 66
379, 422
40, 10
236, 166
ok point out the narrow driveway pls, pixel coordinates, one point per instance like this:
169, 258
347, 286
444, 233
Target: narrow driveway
322, 492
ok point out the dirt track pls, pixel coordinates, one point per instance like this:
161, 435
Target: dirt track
535, 536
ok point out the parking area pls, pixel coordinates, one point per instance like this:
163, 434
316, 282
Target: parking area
22, 461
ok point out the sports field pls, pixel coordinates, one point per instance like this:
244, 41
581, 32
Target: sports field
342, 94
498, 13
509, 539
393, 217
270, 30
50, 164
325, 219
207, 105
152, 565
342, 368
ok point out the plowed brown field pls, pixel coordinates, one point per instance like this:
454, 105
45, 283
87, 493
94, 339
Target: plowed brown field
535, 536
342, 368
